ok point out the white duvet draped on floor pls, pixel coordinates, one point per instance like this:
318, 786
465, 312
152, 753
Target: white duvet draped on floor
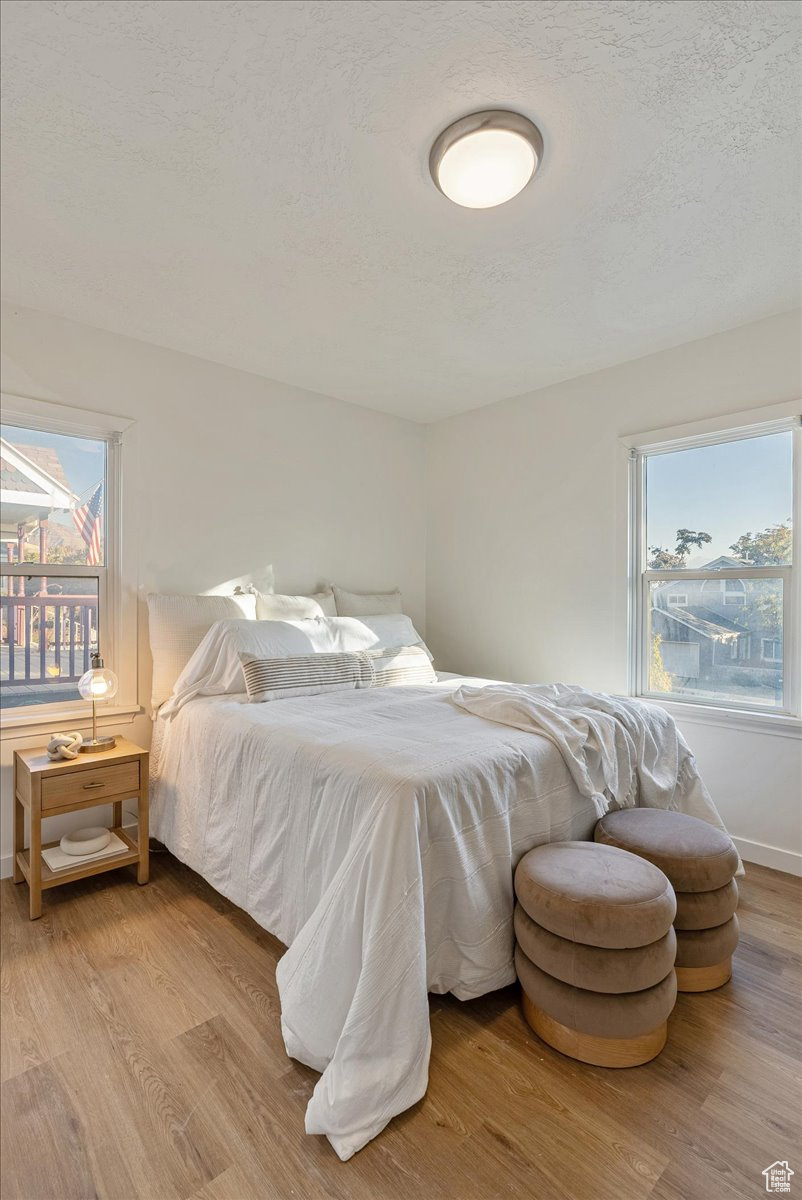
375, 833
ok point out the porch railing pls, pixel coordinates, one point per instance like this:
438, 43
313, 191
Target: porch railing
46, 639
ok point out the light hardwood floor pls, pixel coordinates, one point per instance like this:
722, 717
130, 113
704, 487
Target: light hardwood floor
142, 1058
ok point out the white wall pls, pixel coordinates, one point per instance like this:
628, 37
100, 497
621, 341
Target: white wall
235, 474
524, 529
524, 544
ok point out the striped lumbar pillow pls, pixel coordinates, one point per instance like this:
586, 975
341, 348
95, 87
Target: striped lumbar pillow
404, 665
311, 674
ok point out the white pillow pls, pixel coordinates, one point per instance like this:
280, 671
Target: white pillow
215, 668
270, 607
177, 625
367, 604
391, 630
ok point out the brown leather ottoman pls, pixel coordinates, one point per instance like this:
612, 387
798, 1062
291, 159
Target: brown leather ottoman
700, 861
595, 951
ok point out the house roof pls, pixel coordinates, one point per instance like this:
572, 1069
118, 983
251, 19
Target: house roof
33, 484
702, 620
723, 560
47, 460
13, 480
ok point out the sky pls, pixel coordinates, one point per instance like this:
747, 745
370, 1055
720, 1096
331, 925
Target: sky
725, 490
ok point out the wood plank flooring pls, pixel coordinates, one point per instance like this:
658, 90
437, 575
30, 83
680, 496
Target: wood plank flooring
142, 1060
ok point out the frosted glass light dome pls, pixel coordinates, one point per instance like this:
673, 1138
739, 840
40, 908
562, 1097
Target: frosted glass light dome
486, 158
98, 684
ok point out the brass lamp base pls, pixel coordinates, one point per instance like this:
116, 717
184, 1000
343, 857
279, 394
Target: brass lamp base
97, 745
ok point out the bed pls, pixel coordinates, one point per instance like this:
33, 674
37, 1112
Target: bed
375, 833
357, 822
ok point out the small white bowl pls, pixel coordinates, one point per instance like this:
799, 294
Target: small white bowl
86, 841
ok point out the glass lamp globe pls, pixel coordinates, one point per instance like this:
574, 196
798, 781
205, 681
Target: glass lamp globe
97, 685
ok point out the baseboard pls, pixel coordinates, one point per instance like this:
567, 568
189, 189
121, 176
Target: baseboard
788, 861
7, 861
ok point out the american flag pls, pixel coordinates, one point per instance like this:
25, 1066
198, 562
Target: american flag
88, 521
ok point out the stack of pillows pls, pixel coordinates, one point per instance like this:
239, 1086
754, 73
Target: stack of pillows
275, 647
332, 602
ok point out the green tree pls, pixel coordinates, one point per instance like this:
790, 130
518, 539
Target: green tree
771, 547
763, 609
60, 555
667, 560
660, 680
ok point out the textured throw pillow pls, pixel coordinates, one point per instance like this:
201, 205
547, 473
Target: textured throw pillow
404, 665
177, 626
271, 607
304, 675
367, 604
313, 674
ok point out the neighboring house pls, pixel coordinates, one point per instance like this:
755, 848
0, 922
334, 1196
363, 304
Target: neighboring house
32, 487
712, 631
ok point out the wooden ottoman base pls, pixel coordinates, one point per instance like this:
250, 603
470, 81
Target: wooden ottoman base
598, 1051
703, 979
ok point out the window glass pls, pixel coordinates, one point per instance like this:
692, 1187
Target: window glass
52, 502
52, 556
721, 506
47, 629
715, 652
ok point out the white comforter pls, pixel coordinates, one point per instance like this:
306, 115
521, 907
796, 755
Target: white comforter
376, 834
620, 752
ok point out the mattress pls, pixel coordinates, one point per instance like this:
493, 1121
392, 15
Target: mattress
376, 834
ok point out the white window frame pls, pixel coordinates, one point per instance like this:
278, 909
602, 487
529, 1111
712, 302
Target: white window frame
680, 599
117, 614
772, 658
638, 449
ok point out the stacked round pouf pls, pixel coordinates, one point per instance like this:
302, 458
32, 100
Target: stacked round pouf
701, 862
595, 951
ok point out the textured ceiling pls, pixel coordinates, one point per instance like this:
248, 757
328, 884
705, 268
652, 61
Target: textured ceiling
247, 182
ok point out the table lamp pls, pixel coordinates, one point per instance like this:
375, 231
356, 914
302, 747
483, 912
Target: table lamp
97, 685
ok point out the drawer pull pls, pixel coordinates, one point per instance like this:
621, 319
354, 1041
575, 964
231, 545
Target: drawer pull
87, 786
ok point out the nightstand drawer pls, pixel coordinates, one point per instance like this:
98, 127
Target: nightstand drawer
72, 786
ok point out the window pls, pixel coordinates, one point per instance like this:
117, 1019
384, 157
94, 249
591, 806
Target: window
60, 576
718, 515
741, 647
734, 591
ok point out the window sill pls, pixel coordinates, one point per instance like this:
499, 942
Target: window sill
16, 723
774, 724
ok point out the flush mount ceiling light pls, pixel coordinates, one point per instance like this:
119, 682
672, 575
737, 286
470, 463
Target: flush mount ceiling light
486, 158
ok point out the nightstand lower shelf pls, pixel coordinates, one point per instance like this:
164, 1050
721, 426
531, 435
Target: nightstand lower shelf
81, 870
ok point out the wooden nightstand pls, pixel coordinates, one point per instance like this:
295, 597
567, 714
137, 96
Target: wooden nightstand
47, 789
